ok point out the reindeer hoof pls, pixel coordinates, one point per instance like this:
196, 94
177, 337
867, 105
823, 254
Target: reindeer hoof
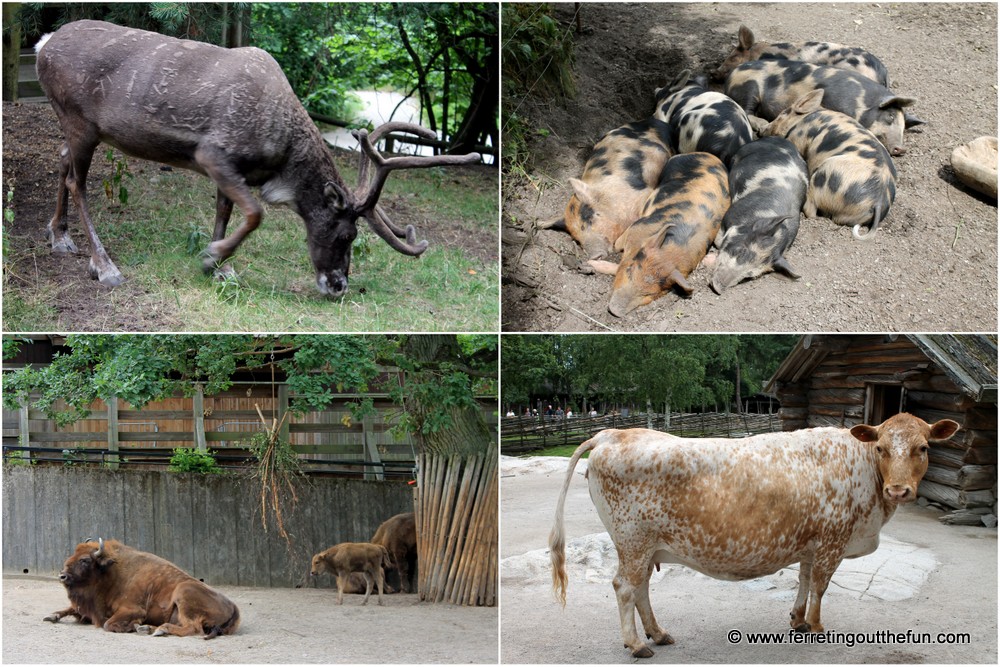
62, 244
110, 276
224, 273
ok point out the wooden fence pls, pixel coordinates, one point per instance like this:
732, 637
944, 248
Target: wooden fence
522, 435
115, 435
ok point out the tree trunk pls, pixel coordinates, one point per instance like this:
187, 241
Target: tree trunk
739, 398
480, 120
11, 49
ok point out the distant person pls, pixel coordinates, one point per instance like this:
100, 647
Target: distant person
593, 412
510, 413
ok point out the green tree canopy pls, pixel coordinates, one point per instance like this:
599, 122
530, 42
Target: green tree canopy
683, 371
439, 383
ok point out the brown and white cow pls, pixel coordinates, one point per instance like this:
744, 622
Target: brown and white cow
342, 559
398, 534
745, 508
126, 590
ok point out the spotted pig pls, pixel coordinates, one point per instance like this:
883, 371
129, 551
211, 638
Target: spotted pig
745, 508
765, 88
679, 221
852, 179
767, 185
701, 120
819, 53
623, 169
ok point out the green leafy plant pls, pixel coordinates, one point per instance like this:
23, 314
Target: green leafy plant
191, 460
114, 186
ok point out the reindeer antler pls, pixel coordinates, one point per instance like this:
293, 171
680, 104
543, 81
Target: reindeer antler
368, 193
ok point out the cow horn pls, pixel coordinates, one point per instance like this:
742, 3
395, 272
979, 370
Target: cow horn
100, 548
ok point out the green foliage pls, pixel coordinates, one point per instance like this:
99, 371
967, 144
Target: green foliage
143, 368
114, 186
682, 370
537, 52
191, 460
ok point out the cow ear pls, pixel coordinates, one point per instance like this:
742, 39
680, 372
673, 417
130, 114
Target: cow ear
943, 429
865, 433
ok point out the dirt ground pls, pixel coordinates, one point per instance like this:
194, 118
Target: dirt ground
933, 264
278, 625
925, 577
31, 141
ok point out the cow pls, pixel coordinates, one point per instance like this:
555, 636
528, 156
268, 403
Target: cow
813, 497
398, 535
342, 559
122, 589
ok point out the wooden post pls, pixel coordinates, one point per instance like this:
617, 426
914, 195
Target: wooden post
112, 409
282, 409
24, 439
371, 451
198, 416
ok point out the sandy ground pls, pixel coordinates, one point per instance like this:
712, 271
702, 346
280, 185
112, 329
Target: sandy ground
925, 577
278, 626
933, 263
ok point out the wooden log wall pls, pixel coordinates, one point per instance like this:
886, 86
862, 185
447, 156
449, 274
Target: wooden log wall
962, 471
455, 508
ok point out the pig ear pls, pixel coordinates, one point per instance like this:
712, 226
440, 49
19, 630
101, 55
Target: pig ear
680, 281
811, 101
909, 120
746, 37
680, 80
604, 266
781, 265
896, 101
582, 191
558, 223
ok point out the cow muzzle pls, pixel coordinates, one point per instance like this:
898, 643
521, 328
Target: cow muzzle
899, 493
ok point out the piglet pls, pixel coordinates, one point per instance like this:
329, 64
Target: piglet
852, 179
679, 221
767, 184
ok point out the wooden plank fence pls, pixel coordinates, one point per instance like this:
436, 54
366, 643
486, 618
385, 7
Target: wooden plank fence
523, 435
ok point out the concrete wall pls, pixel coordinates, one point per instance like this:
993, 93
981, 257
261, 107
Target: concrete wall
208, 525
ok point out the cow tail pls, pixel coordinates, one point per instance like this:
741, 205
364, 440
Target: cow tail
227, 628
557, 538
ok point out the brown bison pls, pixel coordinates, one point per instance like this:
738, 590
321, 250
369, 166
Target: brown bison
347, 557
399, 535
126, 590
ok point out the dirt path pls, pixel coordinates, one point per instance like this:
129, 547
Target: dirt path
279, 625
925, 577
933, 265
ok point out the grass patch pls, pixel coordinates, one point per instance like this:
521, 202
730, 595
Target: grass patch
156, 241
559, 450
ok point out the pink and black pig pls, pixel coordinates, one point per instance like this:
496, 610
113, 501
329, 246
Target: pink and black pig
850, 58
767, 185
623, 169
700, 120
852, 179
679, 222
765, 88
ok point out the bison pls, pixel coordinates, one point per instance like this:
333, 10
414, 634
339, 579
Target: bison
122, 589
398, 535
342, 559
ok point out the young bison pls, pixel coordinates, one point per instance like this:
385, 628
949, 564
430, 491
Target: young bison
347, 557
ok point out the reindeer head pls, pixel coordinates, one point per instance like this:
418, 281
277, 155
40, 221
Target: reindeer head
331, 225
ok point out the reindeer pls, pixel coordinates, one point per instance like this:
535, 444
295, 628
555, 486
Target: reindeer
228, 114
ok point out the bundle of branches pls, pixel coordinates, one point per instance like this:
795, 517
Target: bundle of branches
276, 473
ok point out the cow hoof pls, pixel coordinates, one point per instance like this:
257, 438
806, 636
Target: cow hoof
143, 629
644, 652
803, 627
160, 632
662, 639
52, 618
